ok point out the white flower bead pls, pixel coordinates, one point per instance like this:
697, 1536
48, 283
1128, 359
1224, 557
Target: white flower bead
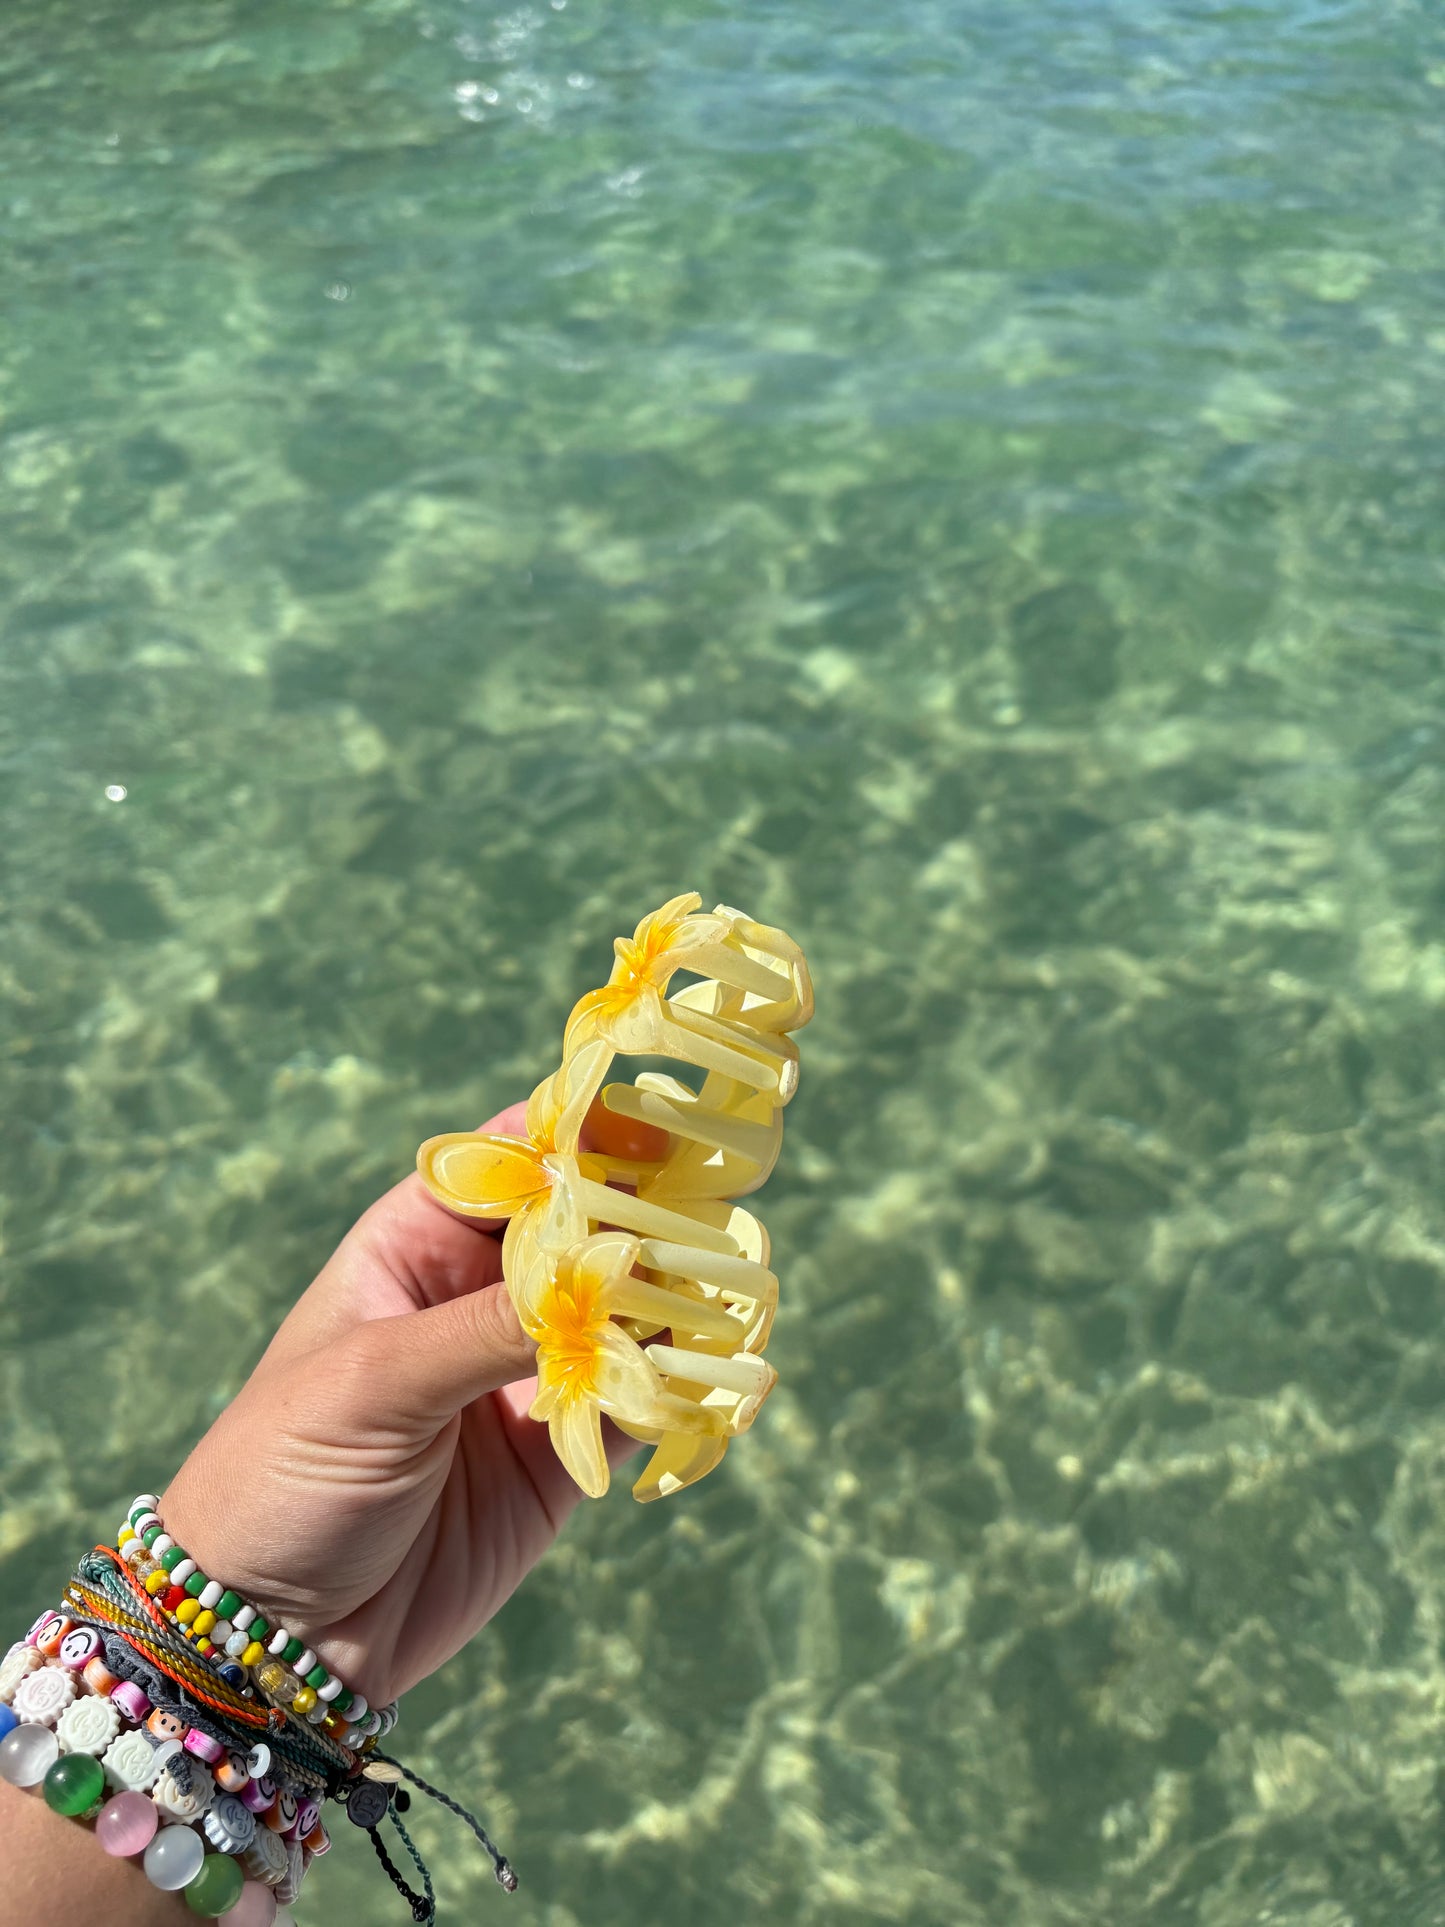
230, 1826
42, 1697
19, 1661
130, 1763
290, 1884
266, 1858
88, 1725
184, 1789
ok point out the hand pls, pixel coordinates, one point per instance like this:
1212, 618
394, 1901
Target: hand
376, 1486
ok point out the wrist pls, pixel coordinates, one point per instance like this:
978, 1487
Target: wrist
251, 1647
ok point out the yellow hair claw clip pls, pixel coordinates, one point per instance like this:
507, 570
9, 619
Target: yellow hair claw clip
651, 1303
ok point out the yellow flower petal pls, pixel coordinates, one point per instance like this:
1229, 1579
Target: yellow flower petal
557, 1107
576, 1433
481, 1175
624, 1383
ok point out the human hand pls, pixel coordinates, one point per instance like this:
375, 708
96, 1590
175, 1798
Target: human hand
377, 1486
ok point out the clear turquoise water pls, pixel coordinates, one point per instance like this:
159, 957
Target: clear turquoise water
964, 482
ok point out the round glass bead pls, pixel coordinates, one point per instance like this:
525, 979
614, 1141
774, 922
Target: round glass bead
270, 1675
74, 1784
287, 1687
217, 1887
157, 1581
126, 1824
27, 1754
173, 1858
237, 1644
304, 1700
256, 1907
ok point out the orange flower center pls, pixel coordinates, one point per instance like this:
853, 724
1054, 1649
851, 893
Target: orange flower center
571, 1322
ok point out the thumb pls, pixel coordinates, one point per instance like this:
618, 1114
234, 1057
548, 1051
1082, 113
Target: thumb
418, 1369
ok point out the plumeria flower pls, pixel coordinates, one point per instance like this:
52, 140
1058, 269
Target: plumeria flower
538, 1182
550, 1192
587, 1364
631, 1014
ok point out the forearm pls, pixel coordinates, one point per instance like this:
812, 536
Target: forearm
56, 1871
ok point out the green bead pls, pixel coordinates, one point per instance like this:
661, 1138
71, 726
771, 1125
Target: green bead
217, 1887
317, 1676
137, 1512
170, 1560
197, 1583
291, 1651
344, 1701
150, 1535
74, 1783
228, 1605
259, 1627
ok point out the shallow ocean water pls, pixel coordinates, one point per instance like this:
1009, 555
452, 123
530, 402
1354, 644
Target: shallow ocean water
964, 483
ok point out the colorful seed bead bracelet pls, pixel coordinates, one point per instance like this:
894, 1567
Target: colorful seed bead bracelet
239, 1642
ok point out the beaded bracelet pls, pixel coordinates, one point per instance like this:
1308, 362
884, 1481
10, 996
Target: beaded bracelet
68, 1732
108, 1693
240, 1643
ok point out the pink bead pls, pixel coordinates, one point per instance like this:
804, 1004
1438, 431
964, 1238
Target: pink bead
255, 1908
203, 1746
126, 1824
131, 1701
259, 1794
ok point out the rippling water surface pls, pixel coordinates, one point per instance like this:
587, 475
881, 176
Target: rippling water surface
965, 482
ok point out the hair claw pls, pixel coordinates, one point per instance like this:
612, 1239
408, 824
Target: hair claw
651, 1303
